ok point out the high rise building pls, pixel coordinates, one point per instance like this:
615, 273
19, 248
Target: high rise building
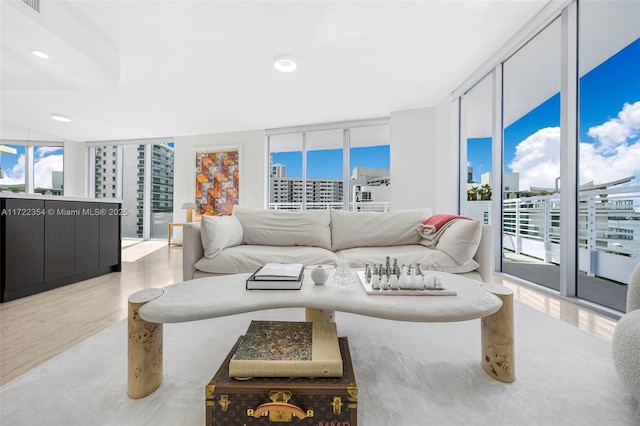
277, 170
161, 185
161, 178
105, 169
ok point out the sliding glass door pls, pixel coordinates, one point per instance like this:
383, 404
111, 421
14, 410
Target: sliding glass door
609, 150
477, 148
531, 149
567, 102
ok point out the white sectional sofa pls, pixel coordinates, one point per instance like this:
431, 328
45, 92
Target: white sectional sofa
249, 238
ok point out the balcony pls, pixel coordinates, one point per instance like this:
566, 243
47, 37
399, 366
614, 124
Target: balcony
608, 228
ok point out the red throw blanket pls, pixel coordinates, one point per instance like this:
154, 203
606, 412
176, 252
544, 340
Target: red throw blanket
437, 221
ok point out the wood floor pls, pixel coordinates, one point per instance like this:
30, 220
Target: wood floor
37, 328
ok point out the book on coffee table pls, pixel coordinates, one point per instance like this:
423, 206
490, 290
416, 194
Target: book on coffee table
287, 349
277, 276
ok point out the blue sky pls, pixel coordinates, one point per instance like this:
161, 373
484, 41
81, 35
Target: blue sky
604, 91
327, 163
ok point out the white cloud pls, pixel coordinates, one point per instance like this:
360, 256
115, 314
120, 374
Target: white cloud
595, 167
537, 159
14, 175
43, 166
612, 157
618, 131
42, 170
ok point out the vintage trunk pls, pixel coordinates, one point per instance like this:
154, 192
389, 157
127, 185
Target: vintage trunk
321, 401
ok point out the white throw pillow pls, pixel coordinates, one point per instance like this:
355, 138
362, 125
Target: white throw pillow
284, 228
218, 233
367, 229
461, 240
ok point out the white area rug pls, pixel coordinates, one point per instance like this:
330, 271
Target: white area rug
408, 374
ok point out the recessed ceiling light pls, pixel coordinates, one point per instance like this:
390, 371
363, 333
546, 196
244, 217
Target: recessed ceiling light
285, 65
39, 53
60, 117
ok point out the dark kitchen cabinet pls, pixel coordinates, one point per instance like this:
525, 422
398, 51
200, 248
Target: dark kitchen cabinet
47, 243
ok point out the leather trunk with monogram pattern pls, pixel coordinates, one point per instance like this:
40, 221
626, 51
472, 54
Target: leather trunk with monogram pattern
321, 401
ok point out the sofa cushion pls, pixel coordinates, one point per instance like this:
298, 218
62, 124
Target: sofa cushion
248, 258
284, 228
218, 233
461, 240
415, 253
366, 229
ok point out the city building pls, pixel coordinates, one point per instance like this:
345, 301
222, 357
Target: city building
277, 170
105, 171
368, 185
160, 185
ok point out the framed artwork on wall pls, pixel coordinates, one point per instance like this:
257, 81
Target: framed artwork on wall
217, 179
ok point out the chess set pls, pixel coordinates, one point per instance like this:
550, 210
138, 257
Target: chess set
406, 280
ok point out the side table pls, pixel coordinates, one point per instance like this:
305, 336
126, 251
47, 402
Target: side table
170, 227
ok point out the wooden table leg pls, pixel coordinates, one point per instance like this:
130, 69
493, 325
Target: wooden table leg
319, 315
498, 337
144, 349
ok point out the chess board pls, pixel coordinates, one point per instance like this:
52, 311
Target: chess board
396, 290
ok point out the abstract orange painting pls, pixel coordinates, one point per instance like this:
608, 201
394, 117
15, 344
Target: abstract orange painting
217, 181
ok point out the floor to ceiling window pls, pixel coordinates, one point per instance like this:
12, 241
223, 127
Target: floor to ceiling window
476, 143
537, 85
531, 153
141, 175
133, 200
307, 167
161, 190
609, 149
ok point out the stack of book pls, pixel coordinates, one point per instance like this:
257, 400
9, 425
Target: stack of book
287, 349
277, 276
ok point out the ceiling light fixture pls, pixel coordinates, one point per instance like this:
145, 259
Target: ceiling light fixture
60, 117
39, 54
285, 65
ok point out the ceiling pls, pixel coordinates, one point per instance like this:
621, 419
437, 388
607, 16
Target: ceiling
142, 69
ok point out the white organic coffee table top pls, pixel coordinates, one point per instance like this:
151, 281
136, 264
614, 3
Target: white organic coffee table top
226, 295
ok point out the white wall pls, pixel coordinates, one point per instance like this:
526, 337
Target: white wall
252, 175
413, 159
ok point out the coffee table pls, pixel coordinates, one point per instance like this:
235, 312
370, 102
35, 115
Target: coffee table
219, 296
